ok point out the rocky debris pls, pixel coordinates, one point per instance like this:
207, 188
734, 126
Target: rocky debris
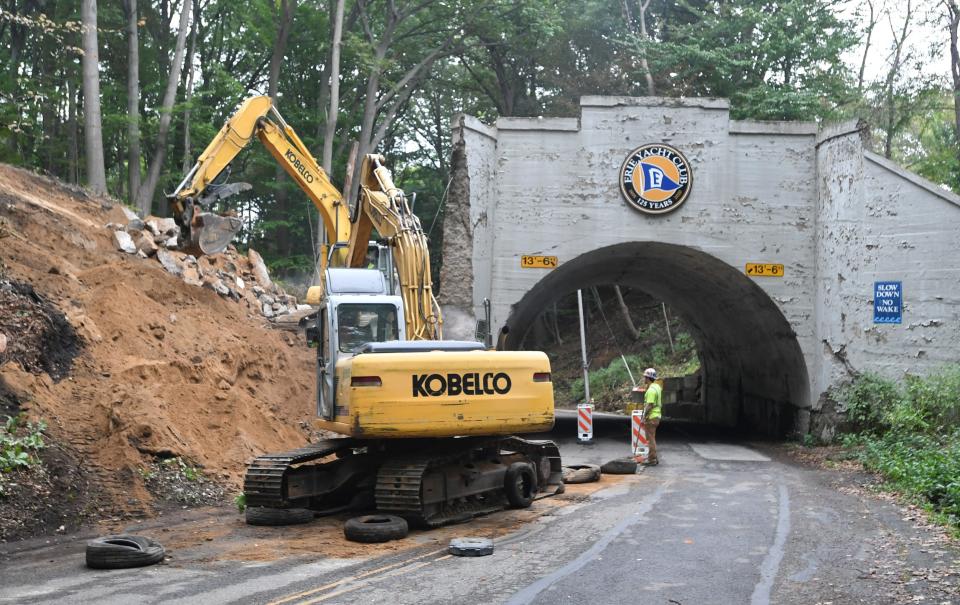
124, 242
170, 262
259, 268
242, 278
146, 244
3, 342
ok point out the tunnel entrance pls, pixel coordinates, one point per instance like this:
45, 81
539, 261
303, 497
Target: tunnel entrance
754, 377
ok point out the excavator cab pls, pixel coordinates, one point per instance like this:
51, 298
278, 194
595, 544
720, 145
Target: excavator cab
357, 309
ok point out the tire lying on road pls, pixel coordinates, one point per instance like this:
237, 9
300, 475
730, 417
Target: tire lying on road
375, 528
121, 552
262, 515
581, 473
620, 466
520, 484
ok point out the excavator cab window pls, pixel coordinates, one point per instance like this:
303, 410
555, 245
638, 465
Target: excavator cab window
358, 324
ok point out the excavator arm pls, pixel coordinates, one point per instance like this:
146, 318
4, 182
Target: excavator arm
207, 233
382, 206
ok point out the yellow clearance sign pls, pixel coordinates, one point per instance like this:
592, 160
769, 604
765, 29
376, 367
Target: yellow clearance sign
530, 261
764, 270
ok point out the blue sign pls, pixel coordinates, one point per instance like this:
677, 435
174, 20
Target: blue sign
887, 302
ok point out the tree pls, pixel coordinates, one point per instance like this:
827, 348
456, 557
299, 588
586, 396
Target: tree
779, 61
92, 123
133, 98
953, 20
147, 190
407, 36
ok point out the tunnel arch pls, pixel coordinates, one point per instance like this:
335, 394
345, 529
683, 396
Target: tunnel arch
754, 373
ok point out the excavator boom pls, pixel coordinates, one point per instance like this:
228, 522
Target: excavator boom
381, 206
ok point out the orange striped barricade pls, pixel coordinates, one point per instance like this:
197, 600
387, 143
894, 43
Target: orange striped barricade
585, 422
638, 440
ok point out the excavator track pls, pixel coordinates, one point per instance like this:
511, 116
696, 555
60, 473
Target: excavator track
431, 490
265, 484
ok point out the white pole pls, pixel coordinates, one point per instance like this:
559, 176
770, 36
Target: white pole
583, 349
627, 365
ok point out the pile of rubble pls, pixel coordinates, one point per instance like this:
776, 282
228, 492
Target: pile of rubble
243, 278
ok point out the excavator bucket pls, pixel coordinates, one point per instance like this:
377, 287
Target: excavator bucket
212, 233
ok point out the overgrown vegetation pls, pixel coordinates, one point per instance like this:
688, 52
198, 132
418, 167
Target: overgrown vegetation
910, 434
610, 386
20, 444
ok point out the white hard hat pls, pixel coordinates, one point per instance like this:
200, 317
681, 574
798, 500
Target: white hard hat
650, 373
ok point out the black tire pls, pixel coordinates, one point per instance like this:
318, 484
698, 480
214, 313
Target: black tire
520, 484
375, 528
581, 473
121, 552
275, 517
620, 466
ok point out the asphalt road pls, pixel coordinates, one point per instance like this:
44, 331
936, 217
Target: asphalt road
716, 522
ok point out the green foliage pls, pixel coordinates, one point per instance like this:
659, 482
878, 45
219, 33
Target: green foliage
866, 400
910, 435
928, 404
924, 467
241, 501
610, 386
20, 444
774, 62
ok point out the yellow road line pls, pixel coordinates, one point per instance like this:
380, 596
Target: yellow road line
363, 584
365, 574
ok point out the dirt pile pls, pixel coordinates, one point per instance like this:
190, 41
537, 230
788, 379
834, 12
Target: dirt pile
166, 369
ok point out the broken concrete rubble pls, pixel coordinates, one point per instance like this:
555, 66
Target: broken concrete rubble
171, 262
242, 278
259, 268
146, 245
124, 242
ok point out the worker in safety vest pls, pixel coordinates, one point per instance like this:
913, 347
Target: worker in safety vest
651, 412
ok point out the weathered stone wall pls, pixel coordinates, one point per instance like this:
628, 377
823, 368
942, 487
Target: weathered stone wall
468, 214
831, 213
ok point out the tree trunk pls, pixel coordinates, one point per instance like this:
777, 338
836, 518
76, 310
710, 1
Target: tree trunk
334, 87
145, 196
284, 23
556, 325
666, 321
899, 43
73, 151
644, 65
188, 92
625, 312
92, 126
133, 99
871, 23
953, 11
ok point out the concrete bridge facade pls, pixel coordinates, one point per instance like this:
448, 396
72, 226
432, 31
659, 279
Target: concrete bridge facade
836, 216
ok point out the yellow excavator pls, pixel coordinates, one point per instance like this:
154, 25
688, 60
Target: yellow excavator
428, 424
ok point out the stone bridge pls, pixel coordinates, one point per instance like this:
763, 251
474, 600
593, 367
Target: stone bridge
837, 217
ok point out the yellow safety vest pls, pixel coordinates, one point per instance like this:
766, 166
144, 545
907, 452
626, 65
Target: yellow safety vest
653, 398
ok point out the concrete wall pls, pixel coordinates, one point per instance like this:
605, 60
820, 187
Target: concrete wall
762, 192
879, 222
